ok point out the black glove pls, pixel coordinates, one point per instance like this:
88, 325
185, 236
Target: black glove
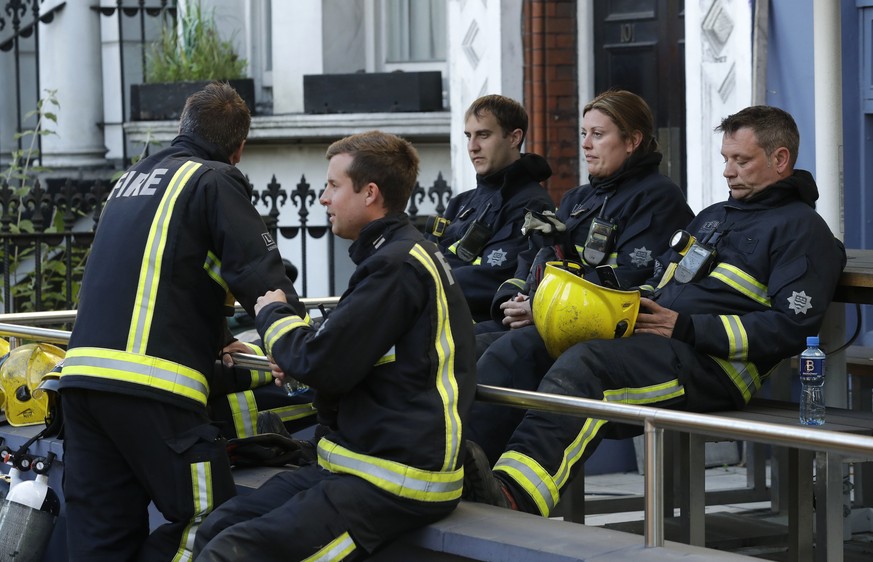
270, 449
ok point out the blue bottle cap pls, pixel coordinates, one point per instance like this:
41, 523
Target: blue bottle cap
812, 341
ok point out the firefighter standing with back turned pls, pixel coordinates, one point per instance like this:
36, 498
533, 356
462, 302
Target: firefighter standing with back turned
177, 235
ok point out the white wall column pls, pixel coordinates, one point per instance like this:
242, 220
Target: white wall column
585, 46
70, 63
718, 82
828, 113
828, 66
486, 56
7, 108
297, 50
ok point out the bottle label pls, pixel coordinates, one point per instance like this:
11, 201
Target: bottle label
811, 368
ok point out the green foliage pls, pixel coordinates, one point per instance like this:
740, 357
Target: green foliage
21, 164
195, 52
52, 262
149, 141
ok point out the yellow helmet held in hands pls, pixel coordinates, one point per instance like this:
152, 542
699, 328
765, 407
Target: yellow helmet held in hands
568, 309
20, 375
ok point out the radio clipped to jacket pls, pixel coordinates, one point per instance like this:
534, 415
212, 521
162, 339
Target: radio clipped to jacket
697, 257
475, 239
601, 238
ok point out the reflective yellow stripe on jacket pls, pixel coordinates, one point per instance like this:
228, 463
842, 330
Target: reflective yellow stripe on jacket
444, 344
743, 373
393, 477
152, 263
137, 368
279, 328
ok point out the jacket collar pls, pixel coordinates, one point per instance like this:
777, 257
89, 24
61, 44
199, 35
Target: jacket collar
375, 234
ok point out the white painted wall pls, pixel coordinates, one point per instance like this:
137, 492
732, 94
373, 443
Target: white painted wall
297, 51
78, 139
485, 57
718, 79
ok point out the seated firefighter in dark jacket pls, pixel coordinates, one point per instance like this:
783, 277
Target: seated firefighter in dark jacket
392, 368
480, 232
741, 290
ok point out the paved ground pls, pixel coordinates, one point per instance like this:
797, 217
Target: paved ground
753, 520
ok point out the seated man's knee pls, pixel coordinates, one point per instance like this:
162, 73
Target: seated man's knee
208, 529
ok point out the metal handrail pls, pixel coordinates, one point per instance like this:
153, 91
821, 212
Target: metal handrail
654, 421
64, 316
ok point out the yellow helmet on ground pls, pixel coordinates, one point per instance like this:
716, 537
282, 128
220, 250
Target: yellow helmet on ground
568, 309
4, 351
20, 375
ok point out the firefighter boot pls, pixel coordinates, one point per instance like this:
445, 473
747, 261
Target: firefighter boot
480, 484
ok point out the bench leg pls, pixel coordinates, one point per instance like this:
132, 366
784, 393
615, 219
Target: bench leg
863, 480
829, 507
780, 489
691, 492
756, 469
799, 472
573, 498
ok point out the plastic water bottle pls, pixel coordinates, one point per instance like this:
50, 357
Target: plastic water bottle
812, 365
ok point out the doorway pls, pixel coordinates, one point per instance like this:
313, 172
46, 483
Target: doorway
639, 45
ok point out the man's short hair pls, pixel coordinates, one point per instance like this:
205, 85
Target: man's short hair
510, 114
218, 115
384, 159
773, 128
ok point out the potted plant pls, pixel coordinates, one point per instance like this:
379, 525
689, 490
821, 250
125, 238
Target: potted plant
183, 61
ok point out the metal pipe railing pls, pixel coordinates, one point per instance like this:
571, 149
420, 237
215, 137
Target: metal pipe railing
654, 421
65, 316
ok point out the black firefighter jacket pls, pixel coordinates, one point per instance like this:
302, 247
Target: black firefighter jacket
178, 234
500, 203
392, 365
775, 268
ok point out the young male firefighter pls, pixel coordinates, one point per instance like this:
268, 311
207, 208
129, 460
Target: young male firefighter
480, 233
392, 367
178, 233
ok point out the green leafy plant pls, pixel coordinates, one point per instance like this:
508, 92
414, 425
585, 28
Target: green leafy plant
22, 163
193, 52
19, 177
146, 144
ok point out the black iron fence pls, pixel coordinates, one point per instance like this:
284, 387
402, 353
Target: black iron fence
47, 227
138, 23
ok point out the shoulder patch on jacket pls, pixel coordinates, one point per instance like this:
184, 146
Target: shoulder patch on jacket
496, 257
268, 241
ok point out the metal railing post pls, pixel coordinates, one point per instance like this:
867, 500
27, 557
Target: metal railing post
654, 484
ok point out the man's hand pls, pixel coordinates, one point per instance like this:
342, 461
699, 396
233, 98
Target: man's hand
235, 346
517, 311
278, 374
655, 319
270, 296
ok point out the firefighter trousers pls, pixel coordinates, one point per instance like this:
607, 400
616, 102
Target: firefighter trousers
515, 359
545, 450
310, 514
121, 453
